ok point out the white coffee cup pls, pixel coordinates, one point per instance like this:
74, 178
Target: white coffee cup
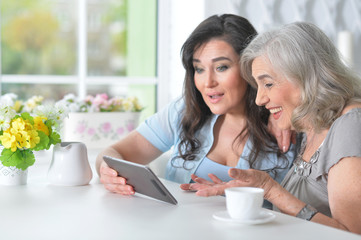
244, 203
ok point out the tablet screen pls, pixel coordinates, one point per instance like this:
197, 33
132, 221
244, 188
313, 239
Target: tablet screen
142, 178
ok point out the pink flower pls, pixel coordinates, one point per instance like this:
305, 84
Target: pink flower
80, 128
106, 127
120, 131
100, 101
130, 127
91, 131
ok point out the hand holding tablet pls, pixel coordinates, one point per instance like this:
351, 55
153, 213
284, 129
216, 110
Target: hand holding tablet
142, 178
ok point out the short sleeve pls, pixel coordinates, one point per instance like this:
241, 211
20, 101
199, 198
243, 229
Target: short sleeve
343, 140
162, 129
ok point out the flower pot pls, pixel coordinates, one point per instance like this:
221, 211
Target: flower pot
98, 130
12, 175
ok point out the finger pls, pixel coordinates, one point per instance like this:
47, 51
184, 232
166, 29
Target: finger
238, 174
106, 179
104, 169
278, 135
202, 181
249, 178
185, 186
214, 178
273, 130
286, 140
210, 191
190, 186
120, 189
194, 177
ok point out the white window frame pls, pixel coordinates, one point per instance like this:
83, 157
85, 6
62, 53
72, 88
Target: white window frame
81, 79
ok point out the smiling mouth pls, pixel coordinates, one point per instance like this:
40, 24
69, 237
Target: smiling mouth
215, 96
275, 110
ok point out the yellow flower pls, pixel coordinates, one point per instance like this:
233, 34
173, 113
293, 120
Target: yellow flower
8, 140
127, 105
33, 138
22, 134
22, 139
18, 124
40, 126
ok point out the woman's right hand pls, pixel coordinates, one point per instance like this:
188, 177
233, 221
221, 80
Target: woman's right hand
134, 148
284, 137
114, 183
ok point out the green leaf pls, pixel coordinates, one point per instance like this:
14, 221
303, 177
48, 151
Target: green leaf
21, 159
28, 159
44, 141
8, 158
50, 123
26, 116
54, 138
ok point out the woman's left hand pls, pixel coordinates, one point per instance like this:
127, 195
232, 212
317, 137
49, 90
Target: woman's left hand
242, 178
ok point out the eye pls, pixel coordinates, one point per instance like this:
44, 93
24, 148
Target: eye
198, 70
222, 68
268, 85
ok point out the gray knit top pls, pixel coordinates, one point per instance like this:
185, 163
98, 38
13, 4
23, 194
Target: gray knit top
308, 180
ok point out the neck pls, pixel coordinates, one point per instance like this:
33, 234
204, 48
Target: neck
314, 141
234, 119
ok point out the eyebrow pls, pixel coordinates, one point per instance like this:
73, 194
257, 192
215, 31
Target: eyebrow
214, 59
263, 76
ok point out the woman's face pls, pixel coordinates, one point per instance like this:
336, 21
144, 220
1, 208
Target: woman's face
275, 92
217, 77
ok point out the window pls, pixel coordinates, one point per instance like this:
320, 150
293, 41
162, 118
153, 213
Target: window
55, 47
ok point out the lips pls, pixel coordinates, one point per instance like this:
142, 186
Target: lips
214, 98
276, 112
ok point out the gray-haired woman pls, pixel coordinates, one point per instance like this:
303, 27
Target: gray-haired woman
302, 81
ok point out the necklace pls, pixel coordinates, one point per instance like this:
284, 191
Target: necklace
302, 167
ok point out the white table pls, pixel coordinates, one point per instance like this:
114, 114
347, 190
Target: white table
39, 210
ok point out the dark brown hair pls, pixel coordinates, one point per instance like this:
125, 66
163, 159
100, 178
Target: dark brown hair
238, 32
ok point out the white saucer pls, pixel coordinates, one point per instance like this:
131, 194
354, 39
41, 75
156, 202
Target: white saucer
264, 217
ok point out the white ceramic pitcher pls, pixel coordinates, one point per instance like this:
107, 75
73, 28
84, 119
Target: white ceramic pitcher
70, 165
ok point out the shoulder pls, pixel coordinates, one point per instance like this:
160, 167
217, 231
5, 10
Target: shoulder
342, 141
350, 119
351, 106
175, 106
346, 128
166, 120
171, 112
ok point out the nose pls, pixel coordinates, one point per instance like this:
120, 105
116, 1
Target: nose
210, 80
261, 98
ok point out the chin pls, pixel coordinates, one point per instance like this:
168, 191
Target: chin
284, 126
215, 110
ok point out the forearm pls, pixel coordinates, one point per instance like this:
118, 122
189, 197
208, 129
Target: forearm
289, 204
283, 200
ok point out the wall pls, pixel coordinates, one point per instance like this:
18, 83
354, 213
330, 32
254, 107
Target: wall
332, 16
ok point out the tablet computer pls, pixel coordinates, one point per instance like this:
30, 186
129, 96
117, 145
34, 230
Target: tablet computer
142, 178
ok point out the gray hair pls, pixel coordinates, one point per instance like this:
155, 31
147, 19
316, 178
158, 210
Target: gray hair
308, 58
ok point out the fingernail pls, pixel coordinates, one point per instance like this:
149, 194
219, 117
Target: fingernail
284, 148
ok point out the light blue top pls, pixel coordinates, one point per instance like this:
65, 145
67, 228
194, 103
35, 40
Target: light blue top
209, 166
163, 131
